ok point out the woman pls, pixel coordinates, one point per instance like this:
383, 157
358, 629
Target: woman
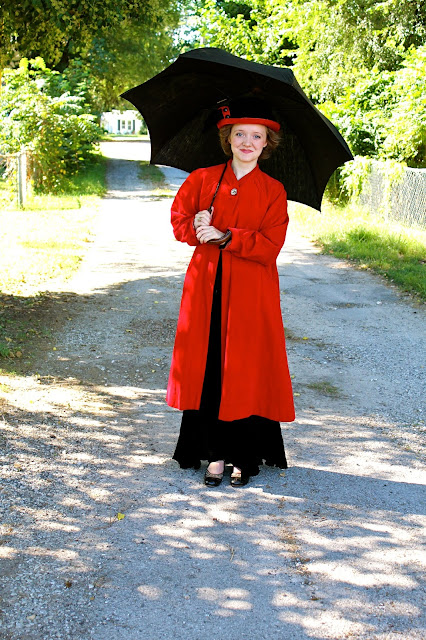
229, 371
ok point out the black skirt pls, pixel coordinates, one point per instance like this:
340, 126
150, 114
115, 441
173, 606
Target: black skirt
245, 443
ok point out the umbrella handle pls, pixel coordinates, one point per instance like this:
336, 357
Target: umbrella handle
217, 188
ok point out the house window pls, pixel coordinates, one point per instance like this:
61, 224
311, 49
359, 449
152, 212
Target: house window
123, 125
129, 125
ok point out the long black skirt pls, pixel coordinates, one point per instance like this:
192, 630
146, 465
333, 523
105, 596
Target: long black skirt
245, 443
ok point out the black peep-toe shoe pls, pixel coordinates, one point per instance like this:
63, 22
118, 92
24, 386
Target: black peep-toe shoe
212, 479
239, 480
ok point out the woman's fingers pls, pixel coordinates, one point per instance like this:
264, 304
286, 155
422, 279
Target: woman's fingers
206, 233
202, 218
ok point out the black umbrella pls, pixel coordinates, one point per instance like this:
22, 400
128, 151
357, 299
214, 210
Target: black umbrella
177, 106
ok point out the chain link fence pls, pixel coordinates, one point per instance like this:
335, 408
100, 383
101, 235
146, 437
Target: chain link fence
401, 198
14, 171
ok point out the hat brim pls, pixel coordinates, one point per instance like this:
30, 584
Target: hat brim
271, 124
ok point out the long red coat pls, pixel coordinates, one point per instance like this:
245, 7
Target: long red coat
255, 376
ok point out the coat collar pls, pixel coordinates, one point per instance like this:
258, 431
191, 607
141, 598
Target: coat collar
231, 177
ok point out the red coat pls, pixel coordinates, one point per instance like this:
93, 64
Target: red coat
255, 376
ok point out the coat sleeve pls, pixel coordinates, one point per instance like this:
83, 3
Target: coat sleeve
184, 207
264, 245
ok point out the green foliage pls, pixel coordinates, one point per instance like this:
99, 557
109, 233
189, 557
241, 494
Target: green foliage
59, 31
99, 47
338, 40
354, 179
405, 130
353, 176
77, 80
56, 129
360, 112
131, 55
362, 61
253, 29
329, 42
372, 115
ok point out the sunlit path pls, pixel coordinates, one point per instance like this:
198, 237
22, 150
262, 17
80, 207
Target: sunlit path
130, 546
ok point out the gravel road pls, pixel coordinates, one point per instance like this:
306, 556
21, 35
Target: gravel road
103, 537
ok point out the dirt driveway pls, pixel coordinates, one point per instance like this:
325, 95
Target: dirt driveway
103, 537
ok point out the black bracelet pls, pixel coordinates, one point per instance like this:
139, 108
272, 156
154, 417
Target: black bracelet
223, 239
225, 244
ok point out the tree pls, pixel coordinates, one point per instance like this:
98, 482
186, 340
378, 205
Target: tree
56, 129
130, 56
113, 42
330, 43
339, 40
250, 29
361, 61
405, 137
60, 30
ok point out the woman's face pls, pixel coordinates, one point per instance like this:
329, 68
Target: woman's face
247, 141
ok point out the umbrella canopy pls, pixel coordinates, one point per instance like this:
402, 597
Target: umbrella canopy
178, 103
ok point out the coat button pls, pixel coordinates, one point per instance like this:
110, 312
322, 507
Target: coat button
234, 192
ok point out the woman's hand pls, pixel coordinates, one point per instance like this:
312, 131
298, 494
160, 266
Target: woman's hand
202, 218
205, 233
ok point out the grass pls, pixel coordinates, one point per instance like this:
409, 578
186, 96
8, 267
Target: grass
47, 239
325, 388
43, 242
37, 246
155, 178
81, 190
124, 137
151, 173
387, 248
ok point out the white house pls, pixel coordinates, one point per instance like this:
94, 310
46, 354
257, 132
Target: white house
121, 122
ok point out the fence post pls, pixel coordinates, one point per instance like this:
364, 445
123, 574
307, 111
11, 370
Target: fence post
21, 158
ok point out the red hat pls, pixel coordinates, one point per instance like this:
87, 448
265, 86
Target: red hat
247, 111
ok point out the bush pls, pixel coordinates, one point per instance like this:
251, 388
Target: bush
57, 130
384, 115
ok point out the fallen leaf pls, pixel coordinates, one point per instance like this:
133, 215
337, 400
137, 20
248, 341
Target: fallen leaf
296, 394
120, 516
68, 583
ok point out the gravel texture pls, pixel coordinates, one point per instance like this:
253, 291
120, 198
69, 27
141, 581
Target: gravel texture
103, 537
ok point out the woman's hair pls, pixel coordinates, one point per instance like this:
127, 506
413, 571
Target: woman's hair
273, 139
